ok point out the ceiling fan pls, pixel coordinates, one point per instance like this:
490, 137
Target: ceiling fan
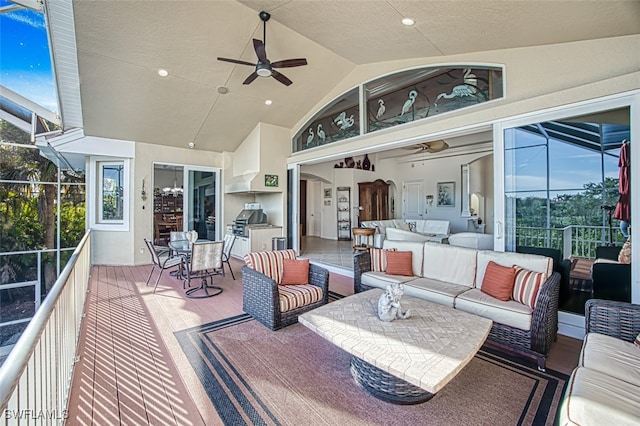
264, 67
431, 147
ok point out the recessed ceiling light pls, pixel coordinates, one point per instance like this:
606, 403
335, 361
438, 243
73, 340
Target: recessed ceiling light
163, 72
408, 22
222, 90
268, 102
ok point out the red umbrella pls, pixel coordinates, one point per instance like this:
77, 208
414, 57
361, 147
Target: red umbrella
623, 208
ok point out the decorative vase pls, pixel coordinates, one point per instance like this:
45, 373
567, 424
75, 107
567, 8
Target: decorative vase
366, 164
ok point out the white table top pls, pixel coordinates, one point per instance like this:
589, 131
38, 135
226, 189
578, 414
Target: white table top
426, 350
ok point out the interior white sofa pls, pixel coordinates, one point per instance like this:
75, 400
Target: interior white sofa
399, 229
604, 389
472, 240
452, 276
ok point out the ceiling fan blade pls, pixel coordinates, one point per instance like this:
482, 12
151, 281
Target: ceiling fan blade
258, 46
251, 77
236, 61
288, 63
281, 78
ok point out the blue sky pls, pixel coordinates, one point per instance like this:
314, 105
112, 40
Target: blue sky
25, 61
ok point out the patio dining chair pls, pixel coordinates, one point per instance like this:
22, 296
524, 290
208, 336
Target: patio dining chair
229, 239
204, 263
162, 261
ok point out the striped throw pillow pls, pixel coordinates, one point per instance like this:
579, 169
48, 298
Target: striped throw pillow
295, 272
399, 263
498, 281
269, 262
527, 285
379, 259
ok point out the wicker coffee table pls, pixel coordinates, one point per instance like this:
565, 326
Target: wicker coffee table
404, 361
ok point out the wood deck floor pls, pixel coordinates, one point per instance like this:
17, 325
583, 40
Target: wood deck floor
131, 369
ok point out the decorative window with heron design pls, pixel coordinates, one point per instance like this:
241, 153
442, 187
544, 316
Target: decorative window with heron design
400, 98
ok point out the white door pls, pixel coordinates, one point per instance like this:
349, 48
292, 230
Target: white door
413, 200
314, 209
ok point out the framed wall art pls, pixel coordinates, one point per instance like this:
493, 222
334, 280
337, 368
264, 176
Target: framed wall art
446, 194
327, 193
271, 180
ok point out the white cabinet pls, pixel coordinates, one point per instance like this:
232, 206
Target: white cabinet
240, 247
259, 239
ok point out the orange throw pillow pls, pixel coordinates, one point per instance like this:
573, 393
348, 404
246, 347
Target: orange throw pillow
399, 263
498, 281
295, 271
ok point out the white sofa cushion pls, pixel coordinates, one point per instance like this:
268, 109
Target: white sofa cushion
595, 398
456, 265
382, 280
532, 262
415, 247
439, 292
509, 313
472, 240
402, 235
430, 226
611, 356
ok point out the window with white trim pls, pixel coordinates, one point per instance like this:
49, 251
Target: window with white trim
111, 192
109, 200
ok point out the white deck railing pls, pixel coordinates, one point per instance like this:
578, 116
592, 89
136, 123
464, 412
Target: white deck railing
36, 376
572, 240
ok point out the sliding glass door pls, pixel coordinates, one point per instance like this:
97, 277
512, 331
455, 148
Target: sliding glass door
203, 203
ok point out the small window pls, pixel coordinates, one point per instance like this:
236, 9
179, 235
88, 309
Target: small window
109, 201
111, 192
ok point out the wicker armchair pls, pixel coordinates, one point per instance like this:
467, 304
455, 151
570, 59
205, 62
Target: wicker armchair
616, 319
261, 298
534, 343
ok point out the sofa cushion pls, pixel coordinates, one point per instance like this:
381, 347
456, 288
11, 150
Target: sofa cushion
382, 280
527, 286
269, 262
378, 259
472, 240
456, 265
416, 248
430, 226
405, 235
611, 356
296, 296
531, 262
399, 263
439, 292
295, 272
498, 281
595, 398
509, 313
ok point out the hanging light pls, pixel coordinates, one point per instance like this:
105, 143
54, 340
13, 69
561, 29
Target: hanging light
176, 189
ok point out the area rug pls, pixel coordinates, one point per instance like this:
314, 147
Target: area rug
292, 376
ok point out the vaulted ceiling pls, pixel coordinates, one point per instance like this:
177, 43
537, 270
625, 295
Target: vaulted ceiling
122, 45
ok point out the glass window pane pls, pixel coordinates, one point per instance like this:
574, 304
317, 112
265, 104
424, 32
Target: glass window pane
572, 166
112, 191
526, 169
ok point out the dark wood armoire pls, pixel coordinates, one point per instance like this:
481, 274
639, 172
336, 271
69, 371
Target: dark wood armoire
374, 200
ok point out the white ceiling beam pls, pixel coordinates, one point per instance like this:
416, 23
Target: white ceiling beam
29, 105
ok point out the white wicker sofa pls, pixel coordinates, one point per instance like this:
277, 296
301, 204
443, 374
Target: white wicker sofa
452, 276
604, 389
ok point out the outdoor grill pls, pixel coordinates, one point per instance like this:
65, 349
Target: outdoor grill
246, 218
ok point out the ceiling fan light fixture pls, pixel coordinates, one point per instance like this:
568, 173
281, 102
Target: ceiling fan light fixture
263, 70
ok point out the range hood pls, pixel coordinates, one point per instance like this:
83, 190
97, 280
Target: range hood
249, 183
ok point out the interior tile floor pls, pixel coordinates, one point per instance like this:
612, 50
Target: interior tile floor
332, 252
131, 369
